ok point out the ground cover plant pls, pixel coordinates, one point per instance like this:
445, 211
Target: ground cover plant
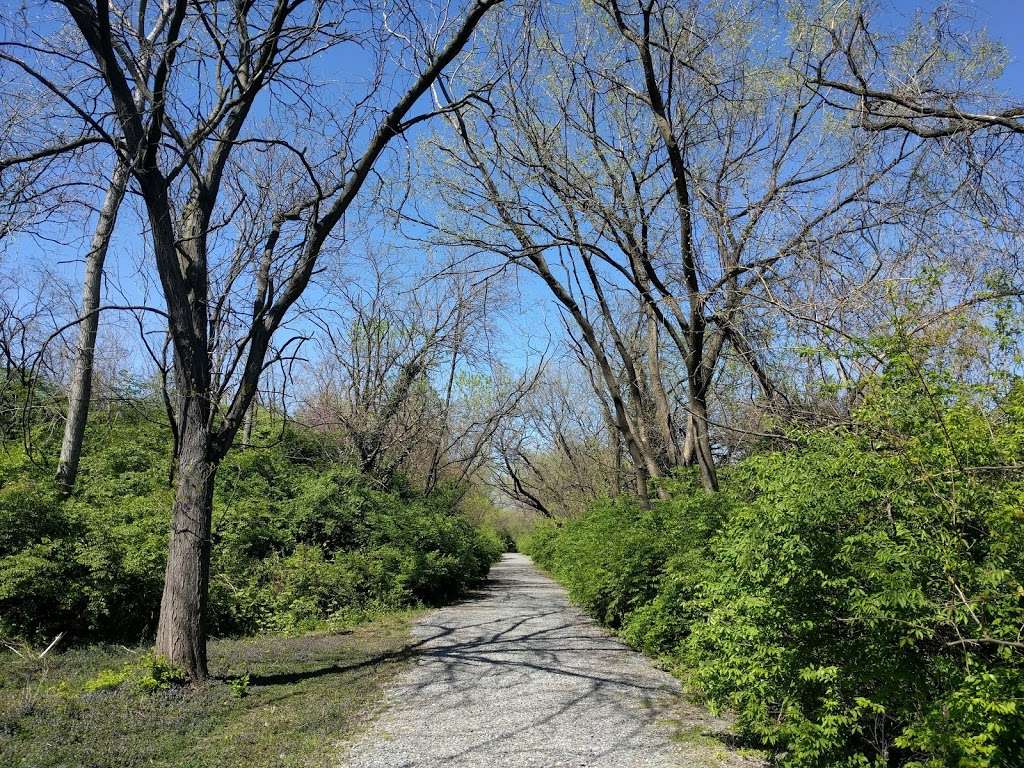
273, 700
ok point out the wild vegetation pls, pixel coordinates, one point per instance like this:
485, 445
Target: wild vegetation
856, 598
310, 308
299, 539
306, 549
271, 701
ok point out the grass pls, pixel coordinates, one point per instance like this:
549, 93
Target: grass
272, 701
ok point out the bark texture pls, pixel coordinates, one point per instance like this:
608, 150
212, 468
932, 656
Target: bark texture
80, 390
181, 632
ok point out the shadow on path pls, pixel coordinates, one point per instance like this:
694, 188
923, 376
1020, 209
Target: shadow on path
516, 676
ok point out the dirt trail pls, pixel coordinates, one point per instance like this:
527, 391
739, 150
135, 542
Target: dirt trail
516, 676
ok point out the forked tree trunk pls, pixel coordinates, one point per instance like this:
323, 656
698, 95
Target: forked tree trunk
179, 240
80, 391
181, 632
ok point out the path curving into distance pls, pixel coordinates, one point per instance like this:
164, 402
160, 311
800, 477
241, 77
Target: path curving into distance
517, 676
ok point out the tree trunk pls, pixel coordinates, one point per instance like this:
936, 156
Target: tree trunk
181, 632
617, 477
250, 423
702, 439
662, 412
689, 452
80, 390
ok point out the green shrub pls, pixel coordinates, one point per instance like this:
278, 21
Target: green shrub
148, 674
240, 686
610, 560
41, 582
856, 601
108, 680
297, 539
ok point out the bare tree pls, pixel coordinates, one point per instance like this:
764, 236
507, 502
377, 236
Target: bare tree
383, 342
408, 375
526, 250
200, 71
560, 451
666, 160
41, 155
80, 386
32, 308
932, 81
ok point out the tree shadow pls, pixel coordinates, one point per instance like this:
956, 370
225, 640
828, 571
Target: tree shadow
518, 674
513, 672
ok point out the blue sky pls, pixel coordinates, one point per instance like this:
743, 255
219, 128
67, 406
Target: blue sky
1004, 19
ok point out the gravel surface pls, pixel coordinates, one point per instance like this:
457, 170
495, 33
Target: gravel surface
516, 676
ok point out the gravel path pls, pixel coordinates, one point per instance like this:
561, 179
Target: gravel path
516, 676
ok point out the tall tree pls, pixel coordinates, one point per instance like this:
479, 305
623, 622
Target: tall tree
671, 156
80, 385
218, 68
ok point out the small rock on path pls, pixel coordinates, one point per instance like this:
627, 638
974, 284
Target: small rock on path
517, 676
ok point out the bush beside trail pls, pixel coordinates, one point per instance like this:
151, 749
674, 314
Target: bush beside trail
298, 540
857, 600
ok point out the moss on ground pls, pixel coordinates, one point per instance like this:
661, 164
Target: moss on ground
272, 701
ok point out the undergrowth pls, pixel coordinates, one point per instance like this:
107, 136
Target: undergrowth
299, 541
273, 701
856, 601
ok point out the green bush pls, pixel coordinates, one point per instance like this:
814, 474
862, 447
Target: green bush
856, 601
610, 560
297, 539
40, 578
331, 543
146, 675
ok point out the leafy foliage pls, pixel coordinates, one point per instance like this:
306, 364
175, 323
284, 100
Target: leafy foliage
146, 675
298, 540
857, 601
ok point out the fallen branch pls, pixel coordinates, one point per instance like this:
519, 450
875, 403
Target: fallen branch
52, 645
12, 649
